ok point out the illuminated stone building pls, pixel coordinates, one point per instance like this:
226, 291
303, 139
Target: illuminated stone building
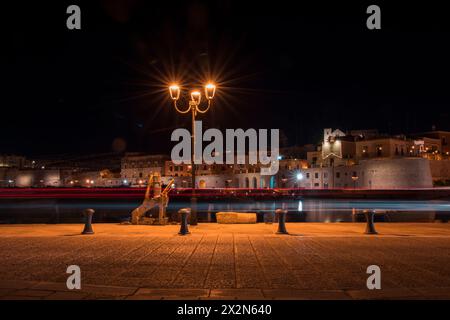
136, 167
366, 159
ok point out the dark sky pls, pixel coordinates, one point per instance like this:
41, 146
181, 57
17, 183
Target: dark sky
295, 67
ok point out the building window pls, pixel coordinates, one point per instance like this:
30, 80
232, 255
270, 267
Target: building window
316, 184
379, 150
316, 175
338, 175
307, 175
325, 175
365, 151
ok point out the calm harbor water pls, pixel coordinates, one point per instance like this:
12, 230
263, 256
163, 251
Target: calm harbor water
305, 210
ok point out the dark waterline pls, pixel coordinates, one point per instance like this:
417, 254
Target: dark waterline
305, 210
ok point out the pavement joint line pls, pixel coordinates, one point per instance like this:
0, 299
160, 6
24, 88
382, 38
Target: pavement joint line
268, 282
131, 251
82, 249
176, 245
186, 260
138, 260
210, 261
281, 258
296, 249
419, 269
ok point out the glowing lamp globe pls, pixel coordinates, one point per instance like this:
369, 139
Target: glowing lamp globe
174, 92
210, 90
196, 97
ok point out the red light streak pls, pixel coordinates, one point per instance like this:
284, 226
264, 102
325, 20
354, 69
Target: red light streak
138, 193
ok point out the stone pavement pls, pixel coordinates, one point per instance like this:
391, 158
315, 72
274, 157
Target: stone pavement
316, 261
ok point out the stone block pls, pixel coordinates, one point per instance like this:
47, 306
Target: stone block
235, 217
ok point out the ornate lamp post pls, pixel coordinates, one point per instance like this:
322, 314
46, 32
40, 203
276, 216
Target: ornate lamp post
194, 108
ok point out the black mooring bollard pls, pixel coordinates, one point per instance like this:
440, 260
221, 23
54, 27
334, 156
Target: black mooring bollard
281, 213
370, 226
88, 224
184, 213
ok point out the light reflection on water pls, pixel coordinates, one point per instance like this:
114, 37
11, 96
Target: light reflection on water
323, 205
308, 210
332, 210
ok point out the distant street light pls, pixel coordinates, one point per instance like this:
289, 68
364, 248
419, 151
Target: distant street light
354, 178
194, 107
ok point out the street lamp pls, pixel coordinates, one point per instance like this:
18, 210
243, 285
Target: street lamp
194, 108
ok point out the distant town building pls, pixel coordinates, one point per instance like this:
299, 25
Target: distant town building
137, 167
12, 161
366, 159
38, 178
352, 159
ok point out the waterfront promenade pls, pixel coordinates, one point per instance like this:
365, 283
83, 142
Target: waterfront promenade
316, 261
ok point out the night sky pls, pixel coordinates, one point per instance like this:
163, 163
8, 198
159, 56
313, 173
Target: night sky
298, 68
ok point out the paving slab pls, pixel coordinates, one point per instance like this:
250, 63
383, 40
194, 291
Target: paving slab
434, 293
32, 293
328, 261
67, 296
178, 293
16, 284
393, 293
284, 294
237, 294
